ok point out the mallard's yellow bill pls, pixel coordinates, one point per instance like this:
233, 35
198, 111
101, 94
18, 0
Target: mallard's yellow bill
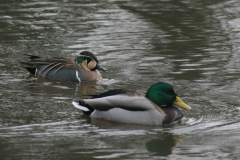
180, 103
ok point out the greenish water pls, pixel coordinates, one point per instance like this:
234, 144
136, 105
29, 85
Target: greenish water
193, 45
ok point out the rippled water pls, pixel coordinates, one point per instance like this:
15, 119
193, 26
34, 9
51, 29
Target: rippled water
192, 44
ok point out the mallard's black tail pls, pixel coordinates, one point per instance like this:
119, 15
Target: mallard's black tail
84, 107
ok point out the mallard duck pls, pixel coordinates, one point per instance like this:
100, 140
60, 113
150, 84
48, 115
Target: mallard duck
83, 68
124, 106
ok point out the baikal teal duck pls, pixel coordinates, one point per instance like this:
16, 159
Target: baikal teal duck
156, 107
82, 68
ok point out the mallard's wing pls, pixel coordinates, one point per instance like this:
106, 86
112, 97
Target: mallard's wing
134, 103
119, 98
117, 92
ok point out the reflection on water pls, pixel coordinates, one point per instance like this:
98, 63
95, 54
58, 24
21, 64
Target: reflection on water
162, 147
192, 44
86, 138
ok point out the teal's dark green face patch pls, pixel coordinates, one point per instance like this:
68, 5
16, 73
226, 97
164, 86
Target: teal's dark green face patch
89, 54
81, 59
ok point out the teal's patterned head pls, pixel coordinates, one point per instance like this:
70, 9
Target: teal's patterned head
88, 61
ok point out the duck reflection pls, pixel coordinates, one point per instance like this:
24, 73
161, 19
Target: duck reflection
160, 143
162, 146
61, 88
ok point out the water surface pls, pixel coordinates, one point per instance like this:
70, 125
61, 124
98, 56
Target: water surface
193, 45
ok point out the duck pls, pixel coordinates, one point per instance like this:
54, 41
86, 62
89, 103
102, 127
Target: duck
156, 107
83, 68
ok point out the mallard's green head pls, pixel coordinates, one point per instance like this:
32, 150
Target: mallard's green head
89, 61
162, 94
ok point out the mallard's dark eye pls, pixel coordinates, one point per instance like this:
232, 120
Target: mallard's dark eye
171, 93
